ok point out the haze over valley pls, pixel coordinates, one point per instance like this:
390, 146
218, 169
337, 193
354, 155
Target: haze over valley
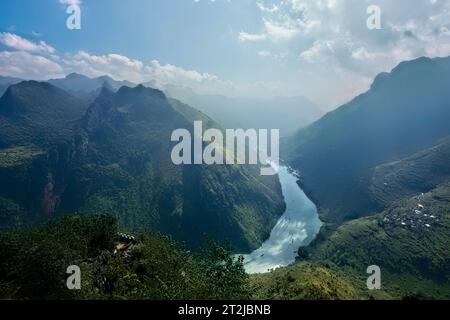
88, 178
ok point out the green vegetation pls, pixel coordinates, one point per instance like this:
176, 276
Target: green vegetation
192, 114
20, 155
408, 240
413, 257
35, 113
303, 281
420, 172
115, 158
11, 214
33, 263
384, 201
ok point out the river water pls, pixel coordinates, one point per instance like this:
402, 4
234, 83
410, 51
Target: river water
296, 228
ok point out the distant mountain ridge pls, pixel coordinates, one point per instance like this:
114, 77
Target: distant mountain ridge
85, 87
285, 113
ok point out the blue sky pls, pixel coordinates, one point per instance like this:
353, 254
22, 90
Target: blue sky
321, 49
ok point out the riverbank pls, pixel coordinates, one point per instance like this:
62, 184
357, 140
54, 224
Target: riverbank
296, 228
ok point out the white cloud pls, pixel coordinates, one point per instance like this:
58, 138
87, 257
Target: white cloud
269, 54
407, 33
264, 53
28, 66
331, 40
14, 41
125, 68
416, 28
331, 48
170, 74
318, 50
114, 65
281, 22
272, 9
244, 36
277, 31
274, 31
160, 75
40, 61
35, 66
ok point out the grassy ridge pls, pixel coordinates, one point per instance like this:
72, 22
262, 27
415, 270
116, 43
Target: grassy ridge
304, 281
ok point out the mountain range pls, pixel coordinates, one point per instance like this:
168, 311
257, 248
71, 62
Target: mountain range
60, 155
288, 114
377, 168
88, 88
405, 111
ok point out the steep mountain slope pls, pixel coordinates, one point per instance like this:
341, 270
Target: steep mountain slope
285, 113
130, 133
403, 112
117, 161
37, 113
415, 174
37, 122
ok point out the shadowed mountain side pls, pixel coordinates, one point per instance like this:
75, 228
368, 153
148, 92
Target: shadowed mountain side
403, 112
38, 113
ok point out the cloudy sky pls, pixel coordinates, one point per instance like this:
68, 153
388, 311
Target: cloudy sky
321, 49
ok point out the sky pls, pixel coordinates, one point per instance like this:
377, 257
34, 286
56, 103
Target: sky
321, 49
